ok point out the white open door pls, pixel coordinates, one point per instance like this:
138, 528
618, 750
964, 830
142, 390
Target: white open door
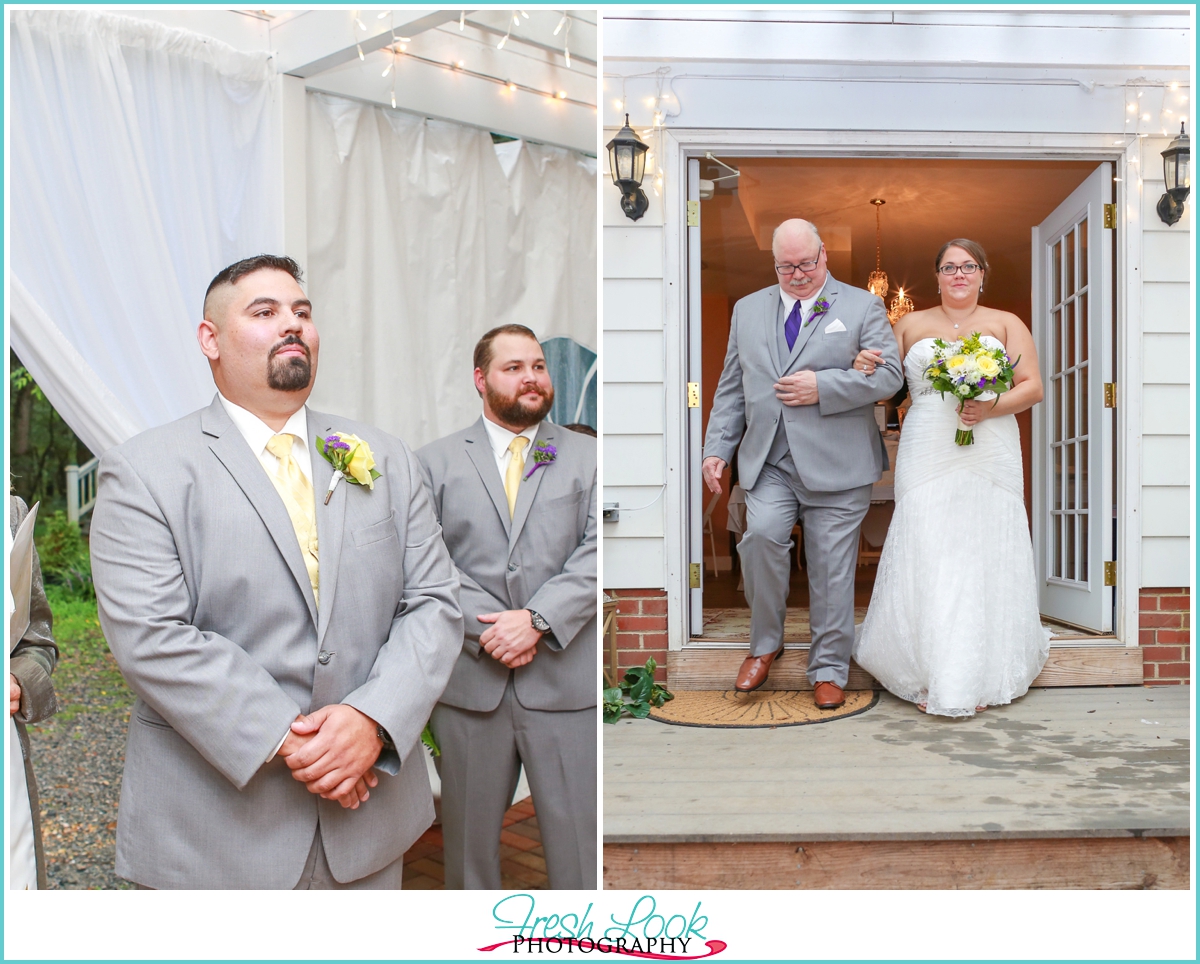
695, 440
1073, 434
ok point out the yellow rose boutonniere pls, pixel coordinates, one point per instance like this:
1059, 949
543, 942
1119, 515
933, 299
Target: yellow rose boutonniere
351, 459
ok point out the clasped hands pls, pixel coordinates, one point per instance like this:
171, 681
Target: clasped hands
332, 752
510, 638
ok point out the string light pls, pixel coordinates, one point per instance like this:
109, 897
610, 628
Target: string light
462, 20
560, 24
524, 14
382, 15
512, 86
567, 44
361, 55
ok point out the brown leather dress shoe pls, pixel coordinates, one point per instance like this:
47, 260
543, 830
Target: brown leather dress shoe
754, 671
828, 696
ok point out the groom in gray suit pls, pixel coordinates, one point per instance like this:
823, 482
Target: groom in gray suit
810, 447
516, 496
286, 643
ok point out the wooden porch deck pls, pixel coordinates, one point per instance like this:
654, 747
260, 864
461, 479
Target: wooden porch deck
1067, 787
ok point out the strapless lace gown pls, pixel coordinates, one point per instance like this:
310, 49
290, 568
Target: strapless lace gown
953, 621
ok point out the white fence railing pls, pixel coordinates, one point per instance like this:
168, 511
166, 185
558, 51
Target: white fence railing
81, 489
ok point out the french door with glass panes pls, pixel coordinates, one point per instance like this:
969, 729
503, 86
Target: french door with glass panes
1073, 490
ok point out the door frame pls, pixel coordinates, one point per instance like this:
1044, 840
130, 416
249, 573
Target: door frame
680, 144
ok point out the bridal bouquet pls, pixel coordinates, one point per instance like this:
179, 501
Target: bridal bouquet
968, 369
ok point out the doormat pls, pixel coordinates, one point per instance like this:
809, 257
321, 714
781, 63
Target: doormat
762, 708
733, 624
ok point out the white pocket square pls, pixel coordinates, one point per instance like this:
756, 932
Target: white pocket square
835, 325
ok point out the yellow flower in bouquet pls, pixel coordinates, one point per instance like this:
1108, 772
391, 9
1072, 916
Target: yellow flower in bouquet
988, 366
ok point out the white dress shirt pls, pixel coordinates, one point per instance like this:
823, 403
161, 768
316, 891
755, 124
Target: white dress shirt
501, 438
805, 304
257, 434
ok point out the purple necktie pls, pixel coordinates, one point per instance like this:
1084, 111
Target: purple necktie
791, 327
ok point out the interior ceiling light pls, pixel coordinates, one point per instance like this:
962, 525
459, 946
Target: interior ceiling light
877, 281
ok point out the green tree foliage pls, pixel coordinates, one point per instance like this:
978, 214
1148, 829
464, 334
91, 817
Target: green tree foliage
64, 556
42, 444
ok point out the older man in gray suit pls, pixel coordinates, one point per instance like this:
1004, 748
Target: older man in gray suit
516, 496
286, 642
810, 447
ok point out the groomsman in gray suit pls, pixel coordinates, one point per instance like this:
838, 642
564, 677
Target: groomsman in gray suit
286, 643
516, 496
810, 447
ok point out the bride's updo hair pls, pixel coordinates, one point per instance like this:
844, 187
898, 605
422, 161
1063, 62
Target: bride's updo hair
973, 248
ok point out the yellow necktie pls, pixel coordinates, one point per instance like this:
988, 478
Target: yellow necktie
512, 477
297, 494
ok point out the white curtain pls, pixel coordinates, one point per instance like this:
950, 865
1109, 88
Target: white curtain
143, 160
420, 239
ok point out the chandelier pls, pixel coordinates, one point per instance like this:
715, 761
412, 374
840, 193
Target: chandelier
877, 282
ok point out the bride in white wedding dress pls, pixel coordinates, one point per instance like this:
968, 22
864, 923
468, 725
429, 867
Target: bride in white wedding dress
953, 623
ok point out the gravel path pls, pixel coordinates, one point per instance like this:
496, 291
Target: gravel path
78, 756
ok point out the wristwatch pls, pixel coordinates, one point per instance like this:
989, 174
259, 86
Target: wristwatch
383, 736
538, 621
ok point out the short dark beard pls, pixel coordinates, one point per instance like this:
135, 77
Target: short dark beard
291, 374
513, 411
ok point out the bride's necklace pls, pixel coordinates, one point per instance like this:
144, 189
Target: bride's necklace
955, 323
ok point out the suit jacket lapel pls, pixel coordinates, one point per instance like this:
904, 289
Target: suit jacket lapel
331, 519
829, 294
230, 448
479, 449
529, 486
773, 313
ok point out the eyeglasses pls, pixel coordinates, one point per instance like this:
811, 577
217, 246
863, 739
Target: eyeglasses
805, 266
949, 269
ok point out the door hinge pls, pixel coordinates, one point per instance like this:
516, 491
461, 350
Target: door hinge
1110, 394
693, 394
694, 575
693, 214
1110, 573
1110, 215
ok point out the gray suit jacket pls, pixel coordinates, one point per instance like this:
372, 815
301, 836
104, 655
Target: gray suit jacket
543, 559
207, 606
834, 444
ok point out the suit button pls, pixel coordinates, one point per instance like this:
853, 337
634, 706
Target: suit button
323, 657
512, 567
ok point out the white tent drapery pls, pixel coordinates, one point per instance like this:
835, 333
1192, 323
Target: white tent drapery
418, 243
144, 159
141, 164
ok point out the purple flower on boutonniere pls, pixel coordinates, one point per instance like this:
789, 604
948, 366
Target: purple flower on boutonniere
543, 454
351, 459
819, 308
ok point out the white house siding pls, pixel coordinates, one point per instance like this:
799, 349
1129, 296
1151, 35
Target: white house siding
1167, 357
951, 77
633, 398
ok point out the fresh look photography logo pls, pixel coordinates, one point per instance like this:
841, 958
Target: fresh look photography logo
643, 930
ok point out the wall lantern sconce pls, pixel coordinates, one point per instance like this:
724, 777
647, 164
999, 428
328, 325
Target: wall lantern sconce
627, 162
1177, 173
